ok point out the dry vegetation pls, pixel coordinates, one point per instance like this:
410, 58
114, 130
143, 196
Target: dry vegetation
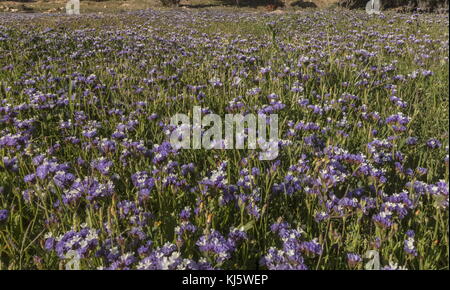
57, 6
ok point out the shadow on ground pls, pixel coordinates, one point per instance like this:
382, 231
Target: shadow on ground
303, 4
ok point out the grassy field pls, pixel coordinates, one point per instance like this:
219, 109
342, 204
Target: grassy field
87, 173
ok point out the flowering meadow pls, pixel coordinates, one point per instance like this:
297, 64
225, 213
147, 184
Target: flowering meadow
89, 179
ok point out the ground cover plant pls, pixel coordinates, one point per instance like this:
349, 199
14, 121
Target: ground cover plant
89, 179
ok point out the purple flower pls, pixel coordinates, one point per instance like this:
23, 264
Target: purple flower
90, 188
433, 143
411, 141
103, 165
280, 260
409, 246
214, 243
63, 179
185, 213
82, 242
353, 259
144, 183
163, 258
312, 247
3, 215
410, 233
30, 178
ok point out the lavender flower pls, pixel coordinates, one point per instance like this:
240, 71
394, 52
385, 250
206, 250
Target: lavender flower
4, 215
